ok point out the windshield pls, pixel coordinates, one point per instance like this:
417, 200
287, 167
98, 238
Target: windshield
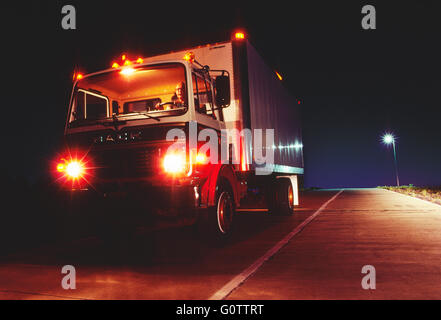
130, 93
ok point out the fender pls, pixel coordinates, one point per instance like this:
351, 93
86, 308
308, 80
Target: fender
208, 189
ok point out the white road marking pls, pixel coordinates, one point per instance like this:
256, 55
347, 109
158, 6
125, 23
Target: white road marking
266, 210
234, 283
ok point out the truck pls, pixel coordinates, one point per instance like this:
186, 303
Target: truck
139, 130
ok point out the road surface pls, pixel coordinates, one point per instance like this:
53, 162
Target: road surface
318, 253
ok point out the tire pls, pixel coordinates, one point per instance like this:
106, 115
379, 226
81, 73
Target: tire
283, 198
216, 223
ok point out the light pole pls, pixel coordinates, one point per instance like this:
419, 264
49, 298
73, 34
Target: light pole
388, 138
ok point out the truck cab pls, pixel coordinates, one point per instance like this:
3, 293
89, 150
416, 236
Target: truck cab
116, 131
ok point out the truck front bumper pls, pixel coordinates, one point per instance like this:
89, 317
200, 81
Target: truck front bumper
137, 198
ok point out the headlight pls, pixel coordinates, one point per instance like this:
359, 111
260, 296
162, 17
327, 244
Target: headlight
75, 169
174, 163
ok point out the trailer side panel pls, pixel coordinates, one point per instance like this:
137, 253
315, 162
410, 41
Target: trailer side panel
272, 107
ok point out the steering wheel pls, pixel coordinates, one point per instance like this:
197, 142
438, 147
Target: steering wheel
164, 104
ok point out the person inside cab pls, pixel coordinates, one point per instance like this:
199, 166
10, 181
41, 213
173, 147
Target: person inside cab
177, 100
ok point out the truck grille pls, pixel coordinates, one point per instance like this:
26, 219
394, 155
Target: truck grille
125, 162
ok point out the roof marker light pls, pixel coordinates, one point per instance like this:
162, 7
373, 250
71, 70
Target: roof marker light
189, 56
127, 71
125, 61
239, 35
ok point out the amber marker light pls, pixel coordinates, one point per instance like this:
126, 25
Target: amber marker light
61, 167
239, 35
189, 56
127, 71
201, 158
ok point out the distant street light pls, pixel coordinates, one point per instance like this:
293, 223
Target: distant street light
388, 138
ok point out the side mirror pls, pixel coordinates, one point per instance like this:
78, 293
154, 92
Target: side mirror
223, 95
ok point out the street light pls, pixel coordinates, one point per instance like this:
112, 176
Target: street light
388, 138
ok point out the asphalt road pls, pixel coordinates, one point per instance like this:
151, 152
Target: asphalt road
318, 253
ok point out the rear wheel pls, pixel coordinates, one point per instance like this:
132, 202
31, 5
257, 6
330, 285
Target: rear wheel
283, 198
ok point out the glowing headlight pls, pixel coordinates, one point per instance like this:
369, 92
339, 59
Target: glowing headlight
174, 163
75, 169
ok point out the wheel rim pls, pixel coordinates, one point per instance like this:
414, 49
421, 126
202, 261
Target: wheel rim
224, 213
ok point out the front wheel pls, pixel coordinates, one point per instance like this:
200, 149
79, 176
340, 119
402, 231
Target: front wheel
224, 213
216, 224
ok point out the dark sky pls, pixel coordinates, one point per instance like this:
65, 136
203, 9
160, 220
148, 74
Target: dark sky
354, 84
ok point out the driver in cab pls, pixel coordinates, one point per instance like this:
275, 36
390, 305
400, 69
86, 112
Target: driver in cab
177, 100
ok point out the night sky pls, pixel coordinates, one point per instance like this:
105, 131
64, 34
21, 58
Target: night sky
354, 84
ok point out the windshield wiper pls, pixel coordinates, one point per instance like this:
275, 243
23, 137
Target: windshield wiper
146, 114
112, 122
115, 121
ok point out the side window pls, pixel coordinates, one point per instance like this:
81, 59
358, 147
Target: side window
96, 107
141, 106
195, 93
203, 96
78, 109
88, 106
